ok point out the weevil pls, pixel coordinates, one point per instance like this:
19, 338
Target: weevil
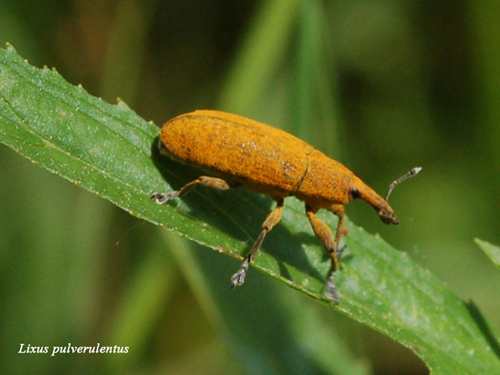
239, 151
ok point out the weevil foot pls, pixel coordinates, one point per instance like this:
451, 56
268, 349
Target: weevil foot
162, 198
239, 277
332, 293
340, 251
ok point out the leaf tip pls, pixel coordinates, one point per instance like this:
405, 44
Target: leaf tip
492, 251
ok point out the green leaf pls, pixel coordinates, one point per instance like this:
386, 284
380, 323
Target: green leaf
492, 251
107, 149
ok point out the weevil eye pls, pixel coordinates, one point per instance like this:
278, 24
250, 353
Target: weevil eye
354, 193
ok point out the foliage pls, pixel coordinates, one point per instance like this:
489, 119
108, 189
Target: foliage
111, 151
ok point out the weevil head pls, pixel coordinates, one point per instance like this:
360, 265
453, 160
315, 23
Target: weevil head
358, 189
384, 210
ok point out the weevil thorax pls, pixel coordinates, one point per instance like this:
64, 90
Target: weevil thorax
361, 190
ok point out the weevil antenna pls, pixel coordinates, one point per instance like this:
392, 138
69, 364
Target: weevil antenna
411, 173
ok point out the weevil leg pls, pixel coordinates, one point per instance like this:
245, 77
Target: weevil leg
338, 210
272, 219
212, 182
323, 232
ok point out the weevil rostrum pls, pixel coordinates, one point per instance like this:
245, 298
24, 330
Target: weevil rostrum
239, 151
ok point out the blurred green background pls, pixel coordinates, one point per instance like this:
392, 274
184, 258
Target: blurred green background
382, 86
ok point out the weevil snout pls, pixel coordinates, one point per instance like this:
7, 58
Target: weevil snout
384, 211
388, 216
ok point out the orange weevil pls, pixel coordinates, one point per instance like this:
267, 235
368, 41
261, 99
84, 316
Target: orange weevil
240, 151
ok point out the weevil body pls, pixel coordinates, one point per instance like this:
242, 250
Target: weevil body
240, 151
